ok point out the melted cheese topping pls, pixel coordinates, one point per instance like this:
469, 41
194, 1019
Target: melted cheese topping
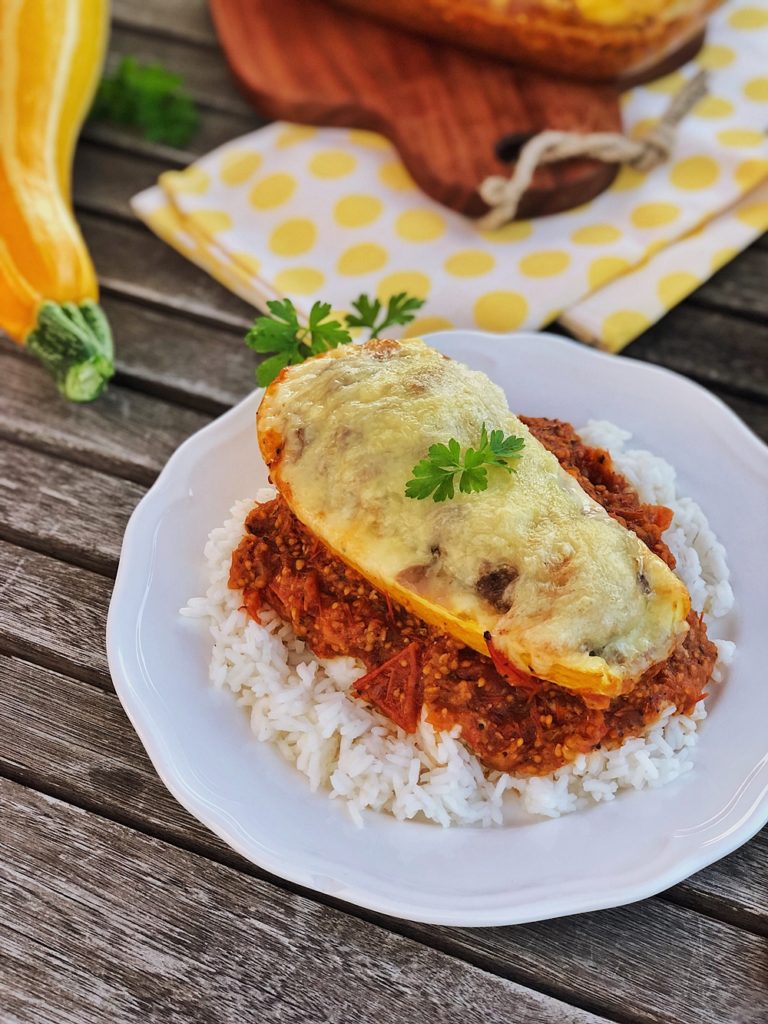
565, 592
625, 12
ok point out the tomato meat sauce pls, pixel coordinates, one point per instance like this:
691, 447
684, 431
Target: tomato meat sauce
510, 722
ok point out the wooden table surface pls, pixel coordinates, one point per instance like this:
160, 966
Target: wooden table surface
116, 905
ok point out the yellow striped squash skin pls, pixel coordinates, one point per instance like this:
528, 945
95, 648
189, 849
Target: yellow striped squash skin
51, 55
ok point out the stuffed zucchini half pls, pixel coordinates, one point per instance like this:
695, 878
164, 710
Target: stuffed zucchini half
531, 571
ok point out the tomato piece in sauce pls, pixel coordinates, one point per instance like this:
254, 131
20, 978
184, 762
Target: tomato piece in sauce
396, 688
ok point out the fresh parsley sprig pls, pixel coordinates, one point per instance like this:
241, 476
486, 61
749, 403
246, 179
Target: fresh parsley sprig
289, 342
435, 474
400, 309
149, 98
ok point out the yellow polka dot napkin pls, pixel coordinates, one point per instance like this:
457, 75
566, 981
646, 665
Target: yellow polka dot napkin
614, 315
329, 213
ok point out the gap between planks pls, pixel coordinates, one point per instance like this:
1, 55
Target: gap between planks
74, 872
708, 893
547, 956
126, 433
76, 622
167, 282
79, 515
217, 321
184, 20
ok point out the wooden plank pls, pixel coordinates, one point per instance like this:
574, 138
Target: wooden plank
739, 287
187, 360
69, 511
215, 129
734, 889
714, 348
112, 918
124, 432
131, 261
217, 369
54, 613
183, 19
754, 414
73, 741
206, 76
224, 113
105, 179
70, 739
650, 962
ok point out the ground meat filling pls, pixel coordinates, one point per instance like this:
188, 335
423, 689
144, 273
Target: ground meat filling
522, 729
594, 469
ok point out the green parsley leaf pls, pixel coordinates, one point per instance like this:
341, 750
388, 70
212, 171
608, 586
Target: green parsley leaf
505, 447
435, 474
290, 343
269, 369
366, 313
149, 98
281, 333
275, 333
325, 333
401, 309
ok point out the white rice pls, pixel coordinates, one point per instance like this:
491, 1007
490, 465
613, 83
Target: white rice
300, 703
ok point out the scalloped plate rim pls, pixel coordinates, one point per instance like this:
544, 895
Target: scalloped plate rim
620, 892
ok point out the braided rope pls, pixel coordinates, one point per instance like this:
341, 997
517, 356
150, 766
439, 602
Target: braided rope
503, 195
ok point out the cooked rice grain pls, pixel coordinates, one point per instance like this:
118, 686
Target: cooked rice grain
300, 703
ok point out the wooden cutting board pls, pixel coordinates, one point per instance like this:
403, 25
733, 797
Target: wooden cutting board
445, 109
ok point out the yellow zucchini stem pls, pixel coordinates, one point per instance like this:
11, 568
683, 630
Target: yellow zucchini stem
74, 343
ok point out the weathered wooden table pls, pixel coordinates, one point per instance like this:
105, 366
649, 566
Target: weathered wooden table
116, 905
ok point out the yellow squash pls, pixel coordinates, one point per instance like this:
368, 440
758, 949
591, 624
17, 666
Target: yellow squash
530, 569
51, 54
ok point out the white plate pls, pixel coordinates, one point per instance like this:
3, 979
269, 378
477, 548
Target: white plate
614, 853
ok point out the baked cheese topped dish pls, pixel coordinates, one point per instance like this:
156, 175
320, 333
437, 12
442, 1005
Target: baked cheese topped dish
532, 571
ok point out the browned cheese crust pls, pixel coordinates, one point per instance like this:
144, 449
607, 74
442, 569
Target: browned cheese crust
588, 41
